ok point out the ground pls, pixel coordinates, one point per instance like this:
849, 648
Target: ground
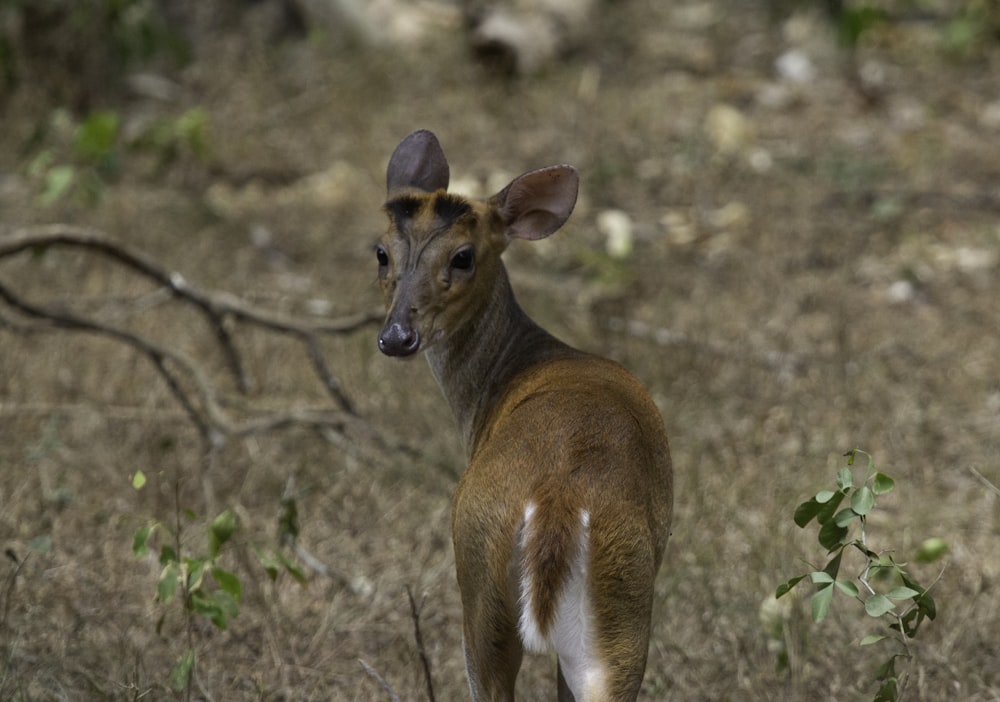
813, 268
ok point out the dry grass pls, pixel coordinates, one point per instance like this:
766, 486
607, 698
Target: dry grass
787, 349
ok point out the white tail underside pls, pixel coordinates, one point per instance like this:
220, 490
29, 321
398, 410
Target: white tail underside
572, 631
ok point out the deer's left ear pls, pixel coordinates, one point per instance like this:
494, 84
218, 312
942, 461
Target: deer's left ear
537, 203
418, 162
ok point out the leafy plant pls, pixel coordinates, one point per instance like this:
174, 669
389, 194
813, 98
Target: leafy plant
196, 580
888, 592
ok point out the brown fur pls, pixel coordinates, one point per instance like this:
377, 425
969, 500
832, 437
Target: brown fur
544, 424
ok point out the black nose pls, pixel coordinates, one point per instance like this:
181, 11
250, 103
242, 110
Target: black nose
398, 340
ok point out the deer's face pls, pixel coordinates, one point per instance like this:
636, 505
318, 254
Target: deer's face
436, 262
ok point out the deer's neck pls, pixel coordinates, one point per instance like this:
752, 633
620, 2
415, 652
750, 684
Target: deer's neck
476, 364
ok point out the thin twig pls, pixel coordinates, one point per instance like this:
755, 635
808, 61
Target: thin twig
379, 679
415, 614
984, 480
9, 590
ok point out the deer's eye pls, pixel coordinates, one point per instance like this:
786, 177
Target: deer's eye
463, 259
382, 256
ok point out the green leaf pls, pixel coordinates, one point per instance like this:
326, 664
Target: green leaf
877, 605
931, 550
95, 138
832, 536
887, 671
882, 484
862, 501
845, 479
833, 567
58, 181
288, 521
229, 583
806, 511
844, 517
872, 639
272, 567
220, 532
847, 587
888, 692
824, 496
901, 593
41, 544
192, 128
218, 607
820, 577
276, 561
829, 507
196, 573
181, 674
924, 601
168, 555
294, 570
166, 588
820, 602
138, 480
909, 623
785, 588
140, 540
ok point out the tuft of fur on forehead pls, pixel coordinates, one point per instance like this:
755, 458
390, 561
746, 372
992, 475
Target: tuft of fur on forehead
441, 210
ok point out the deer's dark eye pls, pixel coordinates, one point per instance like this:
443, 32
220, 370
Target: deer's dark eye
463, 259
382, 256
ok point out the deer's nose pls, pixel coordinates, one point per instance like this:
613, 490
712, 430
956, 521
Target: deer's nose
398, 339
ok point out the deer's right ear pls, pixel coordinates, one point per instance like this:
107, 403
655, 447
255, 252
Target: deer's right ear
536, 204
418, 162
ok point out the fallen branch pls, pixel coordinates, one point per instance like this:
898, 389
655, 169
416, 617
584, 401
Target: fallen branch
216, 307
187, 381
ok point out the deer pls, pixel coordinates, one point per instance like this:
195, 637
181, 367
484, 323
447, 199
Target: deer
561, 516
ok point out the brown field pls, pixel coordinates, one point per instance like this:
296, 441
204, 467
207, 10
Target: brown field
831, 282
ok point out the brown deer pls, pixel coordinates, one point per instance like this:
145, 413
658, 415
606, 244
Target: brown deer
560, 520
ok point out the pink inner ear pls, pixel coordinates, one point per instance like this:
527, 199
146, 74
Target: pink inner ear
536, 204
534, 225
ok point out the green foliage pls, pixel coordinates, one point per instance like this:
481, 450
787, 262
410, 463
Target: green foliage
78, 158
853, 22
203, 588
197, 580
887, 591
962, 29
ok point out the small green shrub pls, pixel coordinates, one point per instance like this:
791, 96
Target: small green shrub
196, 580
887, 592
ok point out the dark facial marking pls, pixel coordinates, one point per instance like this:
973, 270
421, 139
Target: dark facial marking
402, 209
448, 209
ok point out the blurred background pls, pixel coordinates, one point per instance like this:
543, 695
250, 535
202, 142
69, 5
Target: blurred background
788, 228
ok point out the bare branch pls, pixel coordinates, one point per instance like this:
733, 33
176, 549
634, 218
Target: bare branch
214, 306
190, 385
